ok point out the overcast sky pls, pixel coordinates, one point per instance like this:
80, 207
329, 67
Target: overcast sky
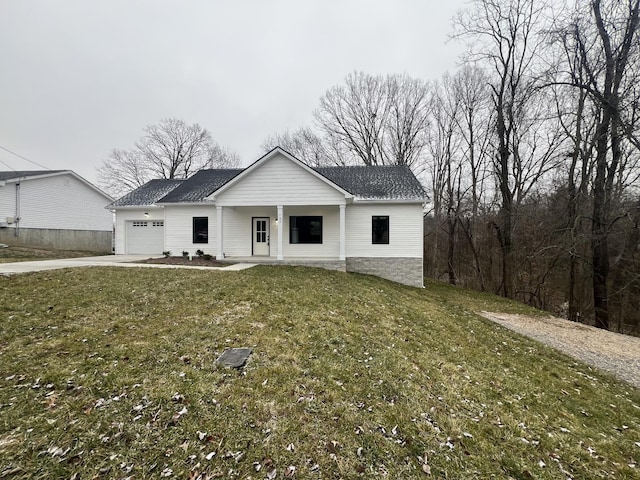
79, 78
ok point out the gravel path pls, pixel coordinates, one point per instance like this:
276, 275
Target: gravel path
616, 353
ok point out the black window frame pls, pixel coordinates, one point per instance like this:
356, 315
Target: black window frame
199, 237
378, 232
303, 225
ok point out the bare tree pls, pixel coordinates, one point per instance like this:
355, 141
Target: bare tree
307, 146
602, 40
122, 171
376, 120
221, 157
407, 120
578, 117
171, 149
470, 85
506, 38
444, 168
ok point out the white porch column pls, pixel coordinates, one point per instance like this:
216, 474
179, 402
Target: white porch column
219, 242
342, 231
280, 219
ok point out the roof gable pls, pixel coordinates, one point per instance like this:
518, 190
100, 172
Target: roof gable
267, 157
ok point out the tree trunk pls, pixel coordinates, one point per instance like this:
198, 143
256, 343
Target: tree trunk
599, 240
505, 214
450, 250
506, 249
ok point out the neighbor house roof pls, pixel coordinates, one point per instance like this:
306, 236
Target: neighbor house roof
389, 182
15, 175
22, 175
148, 194
200, 185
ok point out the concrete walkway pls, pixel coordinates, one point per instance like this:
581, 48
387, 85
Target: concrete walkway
102, 261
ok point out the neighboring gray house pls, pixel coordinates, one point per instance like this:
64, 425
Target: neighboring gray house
54, 209
279, 210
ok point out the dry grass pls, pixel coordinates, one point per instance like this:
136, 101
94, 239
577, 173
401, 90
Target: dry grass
111, 373
26, 254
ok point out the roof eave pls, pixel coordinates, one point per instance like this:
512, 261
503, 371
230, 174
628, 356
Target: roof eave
132, 207
388, 200
186, 204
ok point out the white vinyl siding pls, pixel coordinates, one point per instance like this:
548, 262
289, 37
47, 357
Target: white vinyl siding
280, 182
237, 230
7, 201
59, 202
405, 230
330, 246
178, 224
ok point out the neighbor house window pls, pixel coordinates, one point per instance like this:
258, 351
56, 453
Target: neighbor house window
305, 229
200, 229
380, 229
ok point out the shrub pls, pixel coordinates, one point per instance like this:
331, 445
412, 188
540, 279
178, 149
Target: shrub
166, 253
185, 254
200, 253
206, 256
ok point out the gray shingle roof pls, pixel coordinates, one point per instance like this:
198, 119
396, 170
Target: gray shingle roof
147, 194
10, 175
389, 182
197, 187
394, 182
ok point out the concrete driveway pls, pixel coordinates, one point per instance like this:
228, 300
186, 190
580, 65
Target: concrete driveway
102, 261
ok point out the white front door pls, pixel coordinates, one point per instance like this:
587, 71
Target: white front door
261, 236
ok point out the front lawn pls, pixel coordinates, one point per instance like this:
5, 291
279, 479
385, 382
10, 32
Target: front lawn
110, 372
27, 254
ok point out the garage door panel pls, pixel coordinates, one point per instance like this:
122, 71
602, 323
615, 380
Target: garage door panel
145, 237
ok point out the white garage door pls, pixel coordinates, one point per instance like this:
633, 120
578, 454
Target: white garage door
145, 237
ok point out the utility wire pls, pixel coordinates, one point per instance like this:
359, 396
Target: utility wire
24, 158
5, 163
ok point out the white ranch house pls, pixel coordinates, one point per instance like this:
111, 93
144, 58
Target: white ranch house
280, 210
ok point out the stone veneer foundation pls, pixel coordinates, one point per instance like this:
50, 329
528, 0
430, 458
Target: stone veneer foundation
402, 270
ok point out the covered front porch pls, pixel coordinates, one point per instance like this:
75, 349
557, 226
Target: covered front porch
293, 233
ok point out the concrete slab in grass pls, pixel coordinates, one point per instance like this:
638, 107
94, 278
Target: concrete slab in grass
234, 357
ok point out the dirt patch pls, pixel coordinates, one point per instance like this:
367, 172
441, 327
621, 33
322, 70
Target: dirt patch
616, 353
194, 262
